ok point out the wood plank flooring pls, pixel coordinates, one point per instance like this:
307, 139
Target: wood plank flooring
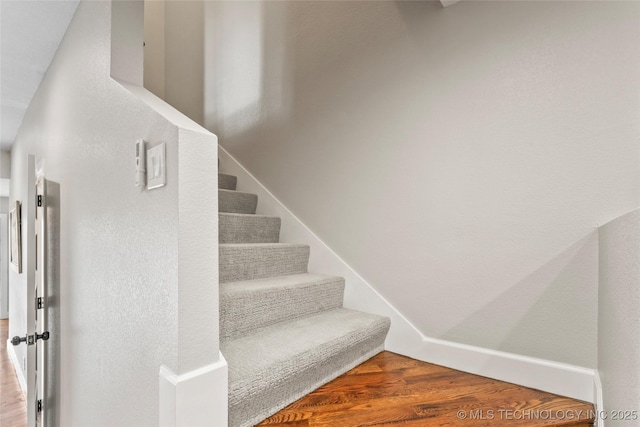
393, 390
387, 390
13, 409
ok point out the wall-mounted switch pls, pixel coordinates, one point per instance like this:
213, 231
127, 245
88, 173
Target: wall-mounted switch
141, 163
156, 167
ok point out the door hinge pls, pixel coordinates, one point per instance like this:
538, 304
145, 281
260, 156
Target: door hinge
39, 200
40, 303
39, 406
44, 336
31, 339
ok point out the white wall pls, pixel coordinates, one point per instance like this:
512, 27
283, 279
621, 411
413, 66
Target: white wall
120, 251
174, 61
619, 314
459, 159
5, 174
184, 69
4, 263
5, 164
154, 46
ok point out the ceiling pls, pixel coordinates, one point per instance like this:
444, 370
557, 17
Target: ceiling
30, 32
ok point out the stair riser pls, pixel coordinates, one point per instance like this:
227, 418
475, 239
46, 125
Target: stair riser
248, 229
247, 409
242, 312
227, 182
234, 202
257, 262
283, 331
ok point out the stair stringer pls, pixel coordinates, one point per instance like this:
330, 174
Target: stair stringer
403, 337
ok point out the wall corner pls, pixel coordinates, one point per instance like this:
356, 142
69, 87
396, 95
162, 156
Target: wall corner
197, 398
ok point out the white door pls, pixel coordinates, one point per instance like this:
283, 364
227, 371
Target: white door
34, 224
41, 300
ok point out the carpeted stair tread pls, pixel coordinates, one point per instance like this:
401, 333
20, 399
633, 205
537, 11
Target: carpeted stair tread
251, 304
237, 202
247, 261
227, 182
278, 364
245, 228
283, 331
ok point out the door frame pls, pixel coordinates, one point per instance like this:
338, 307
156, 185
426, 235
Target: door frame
29, 269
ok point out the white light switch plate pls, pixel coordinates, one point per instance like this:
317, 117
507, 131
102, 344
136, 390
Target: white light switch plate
156, 167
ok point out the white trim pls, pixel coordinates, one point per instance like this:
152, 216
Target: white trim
196, 398
599, 399
167, 111
16, 366
404, 337
553, 377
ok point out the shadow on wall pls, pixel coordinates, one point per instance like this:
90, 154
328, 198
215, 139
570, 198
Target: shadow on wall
245, 78
456, 158
260, 56
543, 309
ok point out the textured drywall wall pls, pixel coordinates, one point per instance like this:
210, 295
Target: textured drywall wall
117, 257
619, 316
459, 159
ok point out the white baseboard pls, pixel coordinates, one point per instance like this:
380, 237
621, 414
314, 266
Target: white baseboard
404, 337
599, 399
553, 377
17, 366
196, 399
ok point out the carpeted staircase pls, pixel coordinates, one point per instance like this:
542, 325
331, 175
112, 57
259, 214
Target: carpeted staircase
283, 330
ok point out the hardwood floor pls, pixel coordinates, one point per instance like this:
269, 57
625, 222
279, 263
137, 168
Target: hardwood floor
13, 410
387, 390
393, 390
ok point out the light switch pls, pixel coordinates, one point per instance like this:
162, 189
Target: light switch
156, 166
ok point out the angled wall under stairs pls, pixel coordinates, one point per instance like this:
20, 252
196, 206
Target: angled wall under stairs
283, 331
403, 337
